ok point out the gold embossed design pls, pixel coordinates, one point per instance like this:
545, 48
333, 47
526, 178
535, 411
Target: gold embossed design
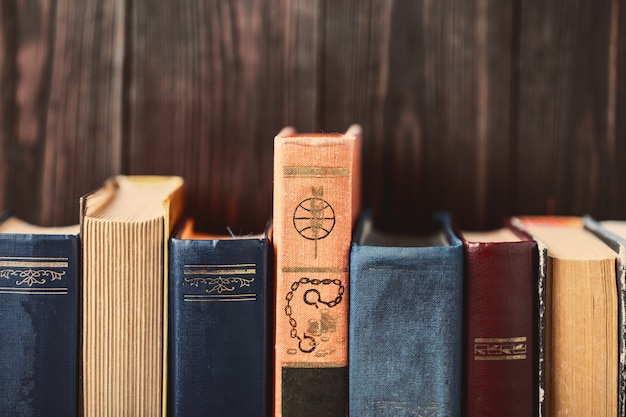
32, 271
222, 283
315, 172
500, 349
31, 277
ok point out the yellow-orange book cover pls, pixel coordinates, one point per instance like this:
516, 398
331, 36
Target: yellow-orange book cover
125, 226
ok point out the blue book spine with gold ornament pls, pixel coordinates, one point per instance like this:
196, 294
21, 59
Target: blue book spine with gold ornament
219, 327
39, 292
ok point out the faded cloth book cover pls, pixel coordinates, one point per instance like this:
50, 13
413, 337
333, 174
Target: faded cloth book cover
220, 322
39, 287
500, 347
316, 202
581, 318
125, 227
406, 322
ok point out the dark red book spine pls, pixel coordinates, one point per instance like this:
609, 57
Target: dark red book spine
500, 349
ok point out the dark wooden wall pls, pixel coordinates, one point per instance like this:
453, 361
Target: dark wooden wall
486, 108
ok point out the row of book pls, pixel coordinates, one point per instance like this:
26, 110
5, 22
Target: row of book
134, 313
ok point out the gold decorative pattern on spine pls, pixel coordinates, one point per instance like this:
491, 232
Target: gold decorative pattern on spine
500, 349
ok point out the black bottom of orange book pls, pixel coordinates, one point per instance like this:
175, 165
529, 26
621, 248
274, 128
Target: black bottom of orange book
314, 392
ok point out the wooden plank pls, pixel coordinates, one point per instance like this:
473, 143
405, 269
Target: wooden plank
430, 82
565, 160
212, 83
28, 52
373, 74
7, 30
616, 111
467, 107
484, 108
66, 134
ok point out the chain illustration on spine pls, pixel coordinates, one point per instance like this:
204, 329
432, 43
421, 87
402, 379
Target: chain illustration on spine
326, 324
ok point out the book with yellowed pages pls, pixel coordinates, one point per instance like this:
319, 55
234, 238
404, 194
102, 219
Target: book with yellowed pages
125, 226
39, 287
581, 318
613, 233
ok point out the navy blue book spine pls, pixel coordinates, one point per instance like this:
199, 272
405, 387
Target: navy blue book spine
219, 325
39, 287
405, 337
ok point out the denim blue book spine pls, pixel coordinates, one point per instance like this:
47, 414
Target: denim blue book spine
39, 287
219, 327
405, 338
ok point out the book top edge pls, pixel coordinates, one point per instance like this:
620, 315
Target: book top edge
15, 225
131, 198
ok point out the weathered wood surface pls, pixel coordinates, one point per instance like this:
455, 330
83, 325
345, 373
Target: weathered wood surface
485, 108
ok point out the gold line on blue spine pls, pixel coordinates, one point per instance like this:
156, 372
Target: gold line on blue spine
313, 270
23, 262
220, 298
34, 291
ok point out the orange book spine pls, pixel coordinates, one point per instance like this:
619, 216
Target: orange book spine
316, 202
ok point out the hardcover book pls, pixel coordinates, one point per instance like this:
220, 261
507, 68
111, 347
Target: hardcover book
125, 227
39, 274
500, 347
581, 320
613, 233
406, 322
316, 202
220, 322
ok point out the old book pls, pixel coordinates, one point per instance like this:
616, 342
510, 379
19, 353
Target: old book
406, 322
125, 226
613, 233
581, 346
220, 322
316, 202
501, 364
39, 286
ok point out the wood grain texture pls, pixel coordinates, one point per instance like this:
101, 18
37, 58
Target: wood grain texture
482, 108
469, 109
212, 84
27, 41
7, 30
66, 117
565, 158
617, 125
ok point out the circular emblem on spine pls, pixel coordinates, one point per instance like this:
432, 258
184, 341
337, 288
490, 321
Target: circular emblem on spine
314, 218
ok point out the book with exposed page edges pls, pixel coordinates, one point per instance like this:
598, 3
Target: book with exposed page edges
39, 290
500, 374
220, 323
406, 322
316, 203
613, 233
125, 228
581, 318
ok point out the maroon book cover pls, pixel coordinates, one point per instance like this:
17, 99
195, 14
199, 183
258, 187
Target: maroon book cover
500, 340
